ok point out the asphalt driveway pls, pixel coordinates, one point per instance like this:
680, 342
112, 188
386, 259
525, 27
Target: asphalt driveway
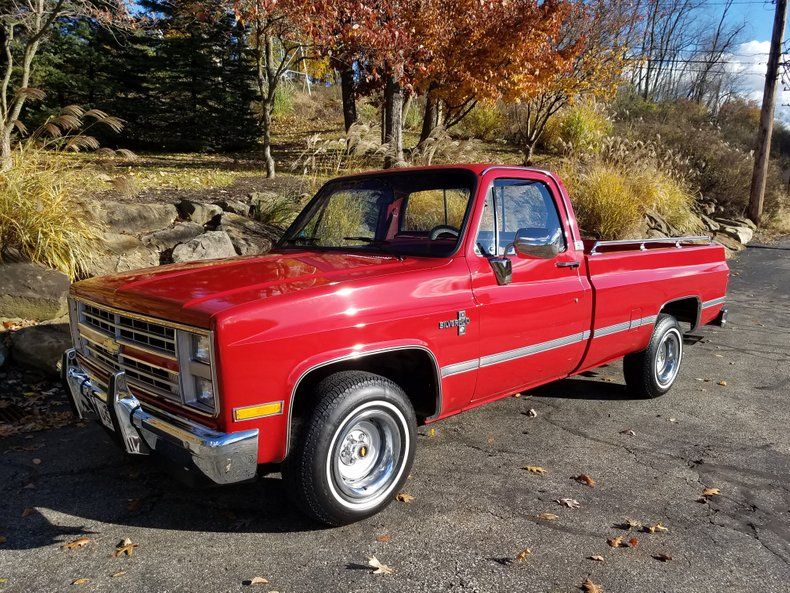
725, 425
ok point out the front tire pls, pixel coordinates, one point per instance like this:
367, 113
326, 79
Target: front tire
355, 451
651, 372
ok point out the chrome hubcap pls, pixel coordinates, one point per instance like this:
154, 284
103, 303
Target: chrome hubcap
366, 455
668, 358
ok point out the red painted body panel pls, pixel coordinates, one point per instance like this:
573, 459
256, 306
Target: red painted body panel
276, 317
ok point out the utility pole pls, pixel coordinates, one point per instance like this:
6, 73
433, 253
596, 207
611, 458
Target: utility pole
757, 193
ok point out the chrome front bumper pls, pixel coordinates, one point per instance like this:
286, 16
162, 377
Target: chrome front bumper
222, 457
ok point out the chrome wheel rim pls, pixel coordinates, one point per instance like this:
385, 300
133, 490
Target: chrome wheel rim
367, 455
668, 355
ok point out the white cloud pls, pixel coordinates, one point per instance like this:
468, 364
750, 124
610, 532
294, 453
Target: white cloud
749, 63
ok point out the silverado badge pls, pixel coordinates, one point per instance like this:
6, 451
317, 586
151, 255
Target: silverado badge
461, 322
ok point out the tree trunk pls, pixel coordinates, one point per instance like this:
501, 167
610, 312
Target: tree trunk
393, 123
529, 150
430, 119
6, 162
266, 125
349, 92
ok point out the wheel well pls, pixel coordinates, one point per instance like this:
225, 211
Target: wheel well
685, 310
413, 369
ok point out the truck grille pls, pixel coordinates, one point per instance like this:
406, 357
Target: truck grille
101, 331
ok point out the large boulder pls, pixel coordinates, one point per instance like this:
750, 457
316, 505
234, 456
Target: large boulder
169, 238
40, 347
211, 245
133, 219
31, 291
197, 212
729, 242
235, 206
122, 253
739, 231
249, 237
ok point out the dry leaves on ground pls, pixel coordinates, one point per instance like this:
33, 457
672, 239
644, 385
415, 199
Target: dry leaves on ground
629, 524
589, 587
620, 542
80, 581
571, 503
655, 528
723, 383
28, 511
535, 469
662, 557
118, 573
383, 538
585, 479
256, 581
404, 497
708, 493
380, 568
80, 542
125, 546
548, 517
596, 558
523, 555
532, 413
628, 432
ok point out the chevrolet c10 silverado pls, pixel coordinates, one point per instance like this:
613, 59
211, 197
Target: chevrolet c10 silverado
396, 298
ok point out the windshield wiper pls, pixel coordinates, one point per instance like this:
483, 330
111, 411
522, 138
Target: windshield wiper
300, 240
369, 240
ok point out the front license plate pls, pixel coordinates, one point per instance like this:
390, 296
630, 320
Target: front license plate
104, 414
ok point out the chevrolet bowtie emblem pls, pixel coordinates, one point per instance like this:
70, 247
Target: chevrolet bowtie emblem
110, 345
461, 322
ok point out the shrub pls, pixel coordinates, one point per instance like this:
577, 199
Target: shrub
485, 122
39, 216
580, 128
611, 200
277, 211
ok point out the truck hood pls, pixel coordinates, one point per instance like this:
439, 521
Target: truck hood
191, 293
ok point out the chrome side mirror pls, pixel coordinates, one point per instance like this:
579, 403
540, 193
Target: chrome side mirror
539, 247
503, 269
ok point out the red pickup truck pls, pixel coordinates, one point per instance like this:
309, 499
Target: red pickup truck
396, 298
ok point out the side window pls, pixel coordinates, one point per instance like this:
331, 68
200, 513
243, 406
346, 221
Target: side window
516, 206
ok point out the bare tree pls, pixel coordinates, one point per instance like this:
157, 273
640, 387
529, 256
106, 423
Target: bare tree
24, 26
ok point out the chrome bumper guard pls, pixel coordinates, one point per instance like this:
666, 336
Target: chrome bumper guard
222, 457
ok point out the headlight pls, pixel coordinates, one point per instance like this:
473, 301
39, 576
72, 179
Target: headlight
204, 392
201, 349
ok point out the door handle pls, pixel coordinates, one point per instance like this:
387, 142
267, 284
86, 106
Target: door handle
567, 264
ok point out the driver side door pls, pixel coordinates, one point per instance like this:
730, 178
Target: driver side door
532, 329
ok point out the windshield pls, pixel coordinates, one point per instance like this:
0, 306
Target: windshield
408, 213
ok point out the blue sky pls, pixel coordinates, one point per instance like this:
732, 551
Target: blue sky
757, 14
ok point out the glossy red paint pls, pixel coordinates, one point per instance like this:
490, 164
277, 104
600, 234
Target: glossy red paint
276, 317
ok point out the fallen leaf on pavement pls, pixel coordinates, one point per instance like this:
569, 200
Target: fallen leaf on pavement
36, 461
723, 383
432, 433
711, 492
28, 511
655, 528
80, 542
534, 469
80, 581
532, 413
628, 432
404, 497
633, 542
257, 581
524, 554
595, 558
548, 516
571, 503
585, 479
629, 524
380, 568
125, 546
589, 587
383, 539
617, 542
117, 574
662, 557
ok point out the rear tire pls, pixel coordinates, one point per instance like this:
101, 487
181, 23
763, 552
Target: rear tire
355, 450
651, 372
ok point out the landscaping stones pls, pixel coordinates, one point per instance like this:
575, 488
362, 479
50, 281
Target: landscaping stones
235, 207
210, 245
197, 212
40, 347
32, 291
249, 237
132, 219
121, 254
169, 238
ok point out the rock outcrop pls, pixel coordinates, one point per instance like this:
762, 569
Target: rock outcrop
31, 291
